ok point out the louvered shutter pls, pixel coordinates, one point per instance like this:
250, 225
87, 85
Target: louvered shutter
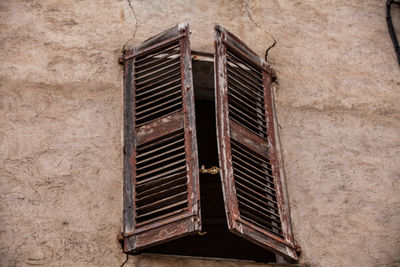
254, 193
161, 179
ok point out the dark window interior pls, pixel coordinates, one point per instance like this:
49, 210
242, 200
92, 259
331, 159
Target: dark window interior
216, 240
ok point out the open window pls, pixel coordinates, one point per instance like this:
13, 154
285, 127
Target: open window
236, 129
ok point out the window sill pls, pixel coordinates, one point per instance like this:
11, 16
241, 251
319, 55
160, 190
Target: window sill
162, 260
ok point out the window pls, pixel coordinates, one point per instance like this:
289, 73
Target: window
162, 196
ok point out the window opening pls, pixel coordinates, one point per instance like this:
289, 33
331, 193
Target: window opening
171, 118
215, 240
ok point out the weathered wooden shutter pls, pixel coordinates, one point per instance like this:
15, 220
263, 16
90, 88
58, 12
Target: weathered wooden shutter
161, 174
254, 193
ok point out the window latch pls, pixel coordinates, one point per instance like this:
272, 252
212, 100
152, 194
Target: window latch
213, 170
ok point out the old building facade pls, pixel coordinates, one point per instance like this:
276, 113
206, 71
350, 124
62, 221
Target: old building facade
61, 105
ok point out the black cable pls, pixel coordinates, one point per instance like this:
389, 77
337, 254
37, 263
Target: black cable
392, 33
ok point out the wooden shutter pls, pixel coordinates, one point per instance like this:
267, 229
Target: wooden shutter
161, 174
254, 193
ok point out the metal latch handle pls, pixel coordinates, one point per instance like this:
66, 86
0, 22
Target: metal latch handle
213, 170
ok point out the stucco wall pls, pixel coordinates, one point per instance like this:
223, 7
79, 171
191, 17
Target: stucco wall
61, 122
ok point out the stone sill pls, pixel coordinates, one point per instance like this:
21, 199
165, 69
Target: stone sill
146, 260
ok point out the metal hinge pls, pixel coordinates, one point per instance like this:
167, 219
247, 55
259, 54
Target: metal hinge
213, 170
121, 60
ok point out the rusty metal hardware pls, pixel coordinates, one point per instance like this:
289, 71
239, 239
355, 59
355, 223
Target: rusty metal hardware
298, 248
120, 238
121, 60
213, 170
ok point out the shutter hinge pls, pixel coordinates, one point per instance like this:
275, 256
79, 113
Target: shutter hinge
121, 60
213, 170
297, 247
120, 238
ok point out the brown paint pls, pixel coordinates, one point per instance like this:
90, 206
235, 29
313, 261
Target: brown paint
179, 222
227, 129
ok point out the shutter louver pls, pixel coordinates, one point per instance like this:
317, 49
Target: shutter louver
161, 179
252, 182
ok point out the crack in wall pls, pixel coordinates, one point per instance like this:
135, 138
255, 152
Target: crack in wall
136, 24
257, 26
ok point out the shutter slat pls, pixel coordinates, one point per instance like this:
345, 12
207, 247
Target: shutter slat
234, 96
248, 94
161, 155
267, 183
252, 169
248, 113
160, 143
163, 92
157, 215
161, 194
161, 169
238, 66
158, 77
247, 178
159, 148
244, 81
254, 70
169, 53
248, 216
250, 158
159, 82
240, 83
255, 198
146, 55
148, 82
254, 193
151, 111
252, 177
259, 124
160, 184
260, 211
160, 203
235, 115
253, 143
242, 93
159, 69
161, 173
159, 162
164, 175
161, 63
164, 85
240, 121
158, 113
234, 52
159, 100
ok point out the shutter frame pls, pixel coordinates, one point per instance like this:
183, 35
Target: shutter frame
283, 244
138, 236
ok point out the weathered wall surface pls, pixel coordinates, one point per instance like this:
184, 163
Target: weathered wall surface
61, 121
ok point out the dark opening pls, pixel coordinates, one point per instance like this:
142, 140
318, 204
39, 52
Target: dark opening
216, 241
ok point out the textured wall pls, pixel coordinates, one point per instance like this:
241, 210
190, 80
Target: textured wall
61, 121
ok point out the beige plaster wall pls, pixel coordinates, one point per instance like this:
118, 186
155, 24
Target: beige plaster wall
61, 121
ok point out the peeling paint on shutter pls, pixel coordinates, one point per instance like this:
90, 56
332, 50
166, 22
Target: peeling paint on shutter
253, 186
161, 179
